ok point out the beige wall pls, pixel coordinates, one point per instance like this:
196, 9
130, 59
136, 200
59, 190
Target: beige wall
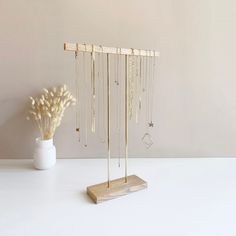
195, 101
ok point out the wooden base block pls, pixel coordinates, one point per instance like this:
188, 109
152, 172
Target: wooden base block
118, 187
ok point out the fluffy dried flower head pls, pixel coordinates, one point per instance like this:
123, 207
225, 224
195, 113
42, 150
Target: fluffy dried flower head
48, 109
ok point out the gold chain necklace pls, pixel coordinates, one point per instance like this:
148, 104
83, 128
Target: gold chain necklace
117, 67
140, 84
93, 91
98, 81
77, 86
103, 112
85, 100
147, 138
151, 124
131, 84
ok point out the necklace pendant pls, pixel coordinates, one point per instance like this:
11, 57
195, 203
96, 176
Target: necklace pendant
147, 140
151, 124
140, 104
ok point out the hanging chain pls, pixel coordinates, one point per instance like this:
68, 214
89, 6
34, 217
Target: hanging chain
77, 87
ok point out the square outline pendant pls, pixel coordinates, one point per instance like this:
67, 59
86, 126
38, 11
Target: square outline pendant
147, 140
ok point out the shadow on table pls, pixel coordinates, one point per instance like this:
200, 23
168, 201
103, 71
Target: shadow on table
85, 197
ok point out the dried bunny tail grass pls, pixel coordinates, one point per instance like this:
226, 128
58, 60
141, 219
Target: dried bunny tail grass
48, 114
48, 109
32, 101
41, 101
47, 103
45, 90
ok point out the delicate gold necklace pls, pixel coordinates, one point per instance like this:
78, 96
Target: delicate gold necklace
85, 100
140, 84
138, 87
98, 81
117, 88
117, 81
93, 91
77, 86
147, 138
131, 85
102, 134
151, 124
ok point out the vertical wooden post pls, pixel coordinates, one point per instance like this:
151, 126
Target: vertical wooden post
126, 116
108, 122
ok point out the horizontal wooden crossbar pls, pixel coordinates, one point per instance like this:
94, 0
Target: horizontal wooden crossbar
110, 50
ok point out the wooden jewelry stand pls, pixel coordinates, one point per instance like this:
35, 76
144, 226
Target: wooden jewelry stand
128, 184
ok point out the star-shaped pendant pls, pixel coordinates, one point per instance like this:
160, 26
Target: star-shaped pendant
151, 124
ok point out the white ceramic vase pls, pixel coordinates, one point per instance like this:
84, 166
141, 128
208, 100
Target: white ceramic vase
44, 154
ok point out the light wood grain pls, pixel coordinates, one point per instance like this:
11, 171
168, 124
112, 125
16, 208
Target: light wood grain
111, 50
100, 192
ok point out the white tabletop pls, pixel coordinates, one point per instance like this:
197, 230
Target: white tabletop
185, 197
